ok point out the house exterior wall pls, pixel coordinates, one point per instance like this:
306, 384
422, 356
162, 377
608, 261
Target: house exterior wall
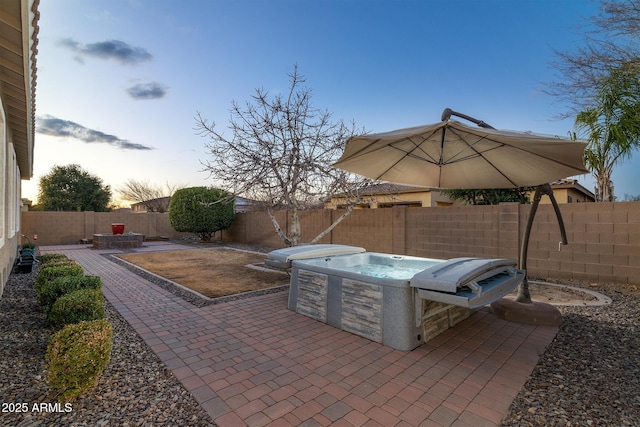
9, 201
420, 198
567, 195
19, 29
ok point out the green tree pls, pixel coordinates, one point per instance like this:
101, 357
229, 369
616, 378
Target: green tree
201, 210
490, 196
71, 188
611, 127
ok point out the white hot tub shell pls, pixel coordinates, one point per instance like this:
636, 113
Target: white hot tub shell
399, 301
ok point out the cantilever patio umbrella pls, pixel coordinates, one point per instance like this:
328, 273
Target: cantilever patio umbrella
453, 155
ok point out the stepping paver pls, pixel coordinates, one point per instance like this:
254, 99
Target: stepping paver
254, 362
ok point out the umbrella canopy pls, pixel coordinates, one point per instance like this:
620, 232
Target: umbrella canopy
453, 155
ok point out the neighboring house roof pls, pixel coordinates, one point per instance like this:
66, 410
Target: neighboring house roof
389, 187
572, 183
158, 202
242, 204
18, 49
384, 188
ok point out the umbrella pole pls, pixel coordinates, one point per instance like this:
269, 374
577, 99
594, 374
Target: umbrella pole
523, 290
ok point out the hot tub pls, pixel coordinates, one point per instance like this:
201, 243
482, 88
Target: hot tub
399, 301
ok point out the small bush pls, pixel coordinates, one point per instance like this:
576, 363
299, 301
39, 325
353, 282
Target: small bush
49, 258
50, 272
77, 355
28, 246
50, 291
75, 307
61, 261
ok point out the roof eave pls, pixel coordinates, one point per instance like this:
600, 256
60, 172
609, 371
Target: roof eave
19, 25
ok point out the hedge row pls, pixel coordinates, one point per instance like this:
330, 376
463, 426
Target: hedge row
81, 348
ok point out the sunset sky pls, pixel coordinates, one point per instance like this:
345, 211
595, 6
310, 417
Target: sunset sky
119, 82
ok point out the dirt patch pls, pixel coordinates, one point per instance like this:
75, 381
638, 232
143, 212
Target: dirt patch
210, 272
557, 294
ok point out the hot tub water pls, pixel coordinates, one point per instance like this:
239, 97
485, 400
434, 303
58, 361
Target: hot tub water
383, 271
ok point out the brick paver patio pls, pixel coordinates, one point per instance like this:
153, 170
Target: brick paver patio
253, 362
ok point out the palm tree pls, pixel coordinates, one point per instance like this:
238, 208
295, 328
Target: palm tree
612, 127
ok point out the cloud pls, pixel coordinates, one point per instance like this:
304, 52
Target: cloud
152, 90
53, 126
111, 49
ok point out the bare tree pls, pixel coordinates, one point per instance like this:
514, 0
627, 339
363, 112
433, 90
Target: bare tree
152, 196
280, 153
613, 43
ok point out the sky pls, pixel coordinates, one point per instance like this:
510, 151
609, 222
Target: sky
119, 82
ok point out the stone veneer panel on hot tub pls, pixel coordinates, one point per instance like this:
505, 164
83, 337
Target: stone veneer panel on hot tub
381, 309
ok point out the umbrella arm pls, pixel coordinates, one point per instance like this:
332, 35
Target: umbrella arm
448, 112
543, 189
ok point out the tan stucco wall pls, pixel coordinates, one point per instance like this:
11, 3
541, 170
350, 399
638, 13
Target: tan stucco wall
423, 198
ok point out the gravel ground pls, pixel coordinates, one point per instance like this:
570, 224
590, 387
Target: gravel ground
589, 375
134, 390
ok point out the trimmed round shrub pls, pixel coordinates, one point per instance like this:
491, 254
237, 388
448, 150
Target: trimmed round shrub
201, 210
54, 289
77, 355
57, 262
75, 307
46, 259
51, 272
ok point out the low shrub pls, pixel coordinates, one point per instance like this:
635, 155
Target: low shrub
78, 306
76, 357
46, 259
50, 272
31, 246
50, 291
61, 261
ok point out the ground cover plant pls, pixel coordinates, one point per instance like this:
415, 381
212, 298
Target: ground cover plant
210, 272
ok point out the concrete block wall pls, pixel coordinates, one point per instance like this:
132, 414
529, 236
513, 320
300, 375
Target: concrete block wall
54, 228
64, 228
604, 238
458, 231
604, 243
315, 222
371, 229
256, 228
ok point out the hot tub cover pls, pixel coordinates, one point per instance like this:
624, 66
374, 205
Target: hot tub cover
457, 272
282, 258
468, 282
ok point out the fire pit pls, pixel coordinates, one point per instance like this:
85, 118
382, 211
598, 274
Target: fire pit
117, 241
